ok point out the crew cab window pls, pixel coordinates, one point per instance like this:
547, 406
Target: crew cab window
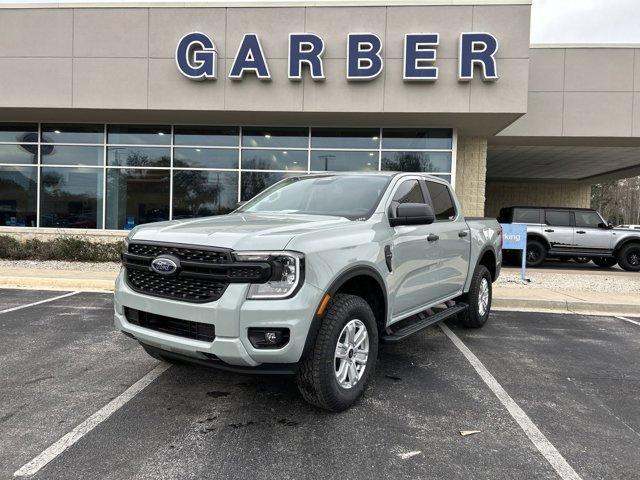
587, 219
526, 215
443, 206
409, 191
558, 218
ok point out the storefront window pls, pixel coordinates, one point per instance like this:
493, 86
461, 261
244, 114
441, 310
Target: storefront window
138, 157
136, 172
206, 136
205, 157
275, 137
139, 134
361, 138
71, 197
341, 161
274, 159
72, 155
198, 193
417, 139
430, 162
18, 193
66, 133
136, 196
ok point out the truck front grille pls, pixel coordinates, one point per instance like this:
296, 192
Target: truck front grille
202, 276
188, 289
173, 326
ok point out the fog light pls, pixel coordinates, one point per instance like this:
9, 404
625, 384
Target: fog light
269, 337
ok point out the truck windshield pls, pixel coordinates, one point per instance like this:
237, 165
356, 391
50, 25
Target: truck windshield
351, 196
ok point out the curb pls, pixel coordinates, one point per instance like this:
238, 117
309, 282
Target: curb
61, 284
590, 308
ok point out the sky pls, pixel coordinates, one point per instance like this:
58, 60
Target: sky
552, 21
585, 21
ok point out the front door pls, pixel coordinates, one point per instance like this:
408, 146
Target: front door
587, 234
558, 229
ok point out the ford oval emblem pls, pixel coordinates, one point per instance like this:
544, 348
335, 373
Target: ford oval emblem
164, 266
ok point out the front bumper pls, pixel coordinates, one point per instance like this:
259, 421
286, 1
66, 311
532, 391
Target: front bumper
232, 315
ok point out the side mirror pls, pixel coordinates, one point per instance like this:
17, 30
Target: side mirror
413, 214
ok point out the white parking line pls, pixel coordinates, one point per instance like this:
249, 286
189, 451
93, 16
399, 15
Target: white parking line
89, 424
629, 320
546, 448
38, 303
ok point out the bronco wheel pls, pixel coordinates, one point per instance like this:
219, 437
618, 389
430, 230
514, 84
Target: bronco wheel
605, 262
629, 257
335, 372
478, 299
536, 253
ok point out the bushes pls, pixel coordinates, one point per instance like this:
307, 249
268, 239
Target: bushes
74, 249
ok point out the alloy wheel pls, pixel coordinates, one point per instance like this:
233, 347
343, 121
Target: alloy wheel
352, 353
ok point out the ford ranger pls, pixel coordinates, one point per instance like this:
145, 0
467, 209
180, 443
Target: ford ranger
308, 278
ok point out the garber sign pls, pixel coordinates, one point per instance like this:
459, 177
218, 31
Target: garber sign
197, 58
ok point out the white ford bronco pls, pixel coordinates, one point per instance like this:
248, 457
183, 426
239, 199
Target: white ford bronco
308, 277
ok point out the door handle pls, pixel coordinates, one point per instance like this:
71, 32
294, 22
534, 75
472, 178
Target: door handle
463, 233
549, 230
581, 232
432, 237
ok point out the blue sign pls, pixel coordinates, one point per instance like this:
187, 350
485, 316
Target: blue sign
197, 57
514, 237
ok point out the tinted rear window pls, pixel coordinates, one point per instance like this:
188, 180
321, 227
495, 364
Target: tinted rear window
443, 206
526, 215
558, 218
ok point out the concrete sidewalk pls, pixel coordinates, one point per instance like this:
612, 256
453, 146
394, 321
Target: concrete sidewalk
523, 298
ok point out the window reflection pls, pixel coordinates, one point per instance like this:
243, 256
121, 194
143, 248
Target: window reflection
68, 133
417, 138
206, 136
18, 192
72, 155
205, 157
18, 132
71, 197
275, 137
20, 154
416, 161
139, 134
199, 193
138, 157
341, 161
274, 159
136, 196
345, 138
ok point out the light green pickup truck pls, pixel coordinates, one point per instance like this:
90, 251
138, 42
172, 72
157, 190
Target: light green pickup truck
308, 277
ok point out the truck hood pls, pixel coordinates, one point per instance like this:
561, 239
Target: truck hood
237, 231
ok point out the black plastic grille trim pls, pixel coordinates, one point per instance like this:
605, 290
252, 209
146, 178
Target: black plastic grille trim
173, 326
189, 289
184, 253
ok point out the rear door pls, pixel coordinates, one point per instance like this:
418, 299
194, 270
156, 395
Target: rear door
587, 234
448, 255
558, 229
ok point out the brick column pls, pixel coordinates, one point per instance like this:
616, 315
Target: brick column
471, 173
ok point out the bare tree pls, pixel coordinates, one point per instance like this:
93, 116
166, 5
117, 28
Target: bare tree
618, 200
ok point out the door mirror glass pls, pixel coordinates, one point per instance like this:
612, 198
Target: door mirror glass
412, 214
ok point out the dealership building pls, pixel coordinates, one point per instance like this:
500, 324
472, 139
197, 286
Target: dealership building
113, 115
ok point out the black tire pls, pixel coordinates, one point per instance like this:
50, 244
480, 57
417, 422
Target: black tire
536, 253
604, 262
472, 317
158, 356
581, 259
629, 257
316, 376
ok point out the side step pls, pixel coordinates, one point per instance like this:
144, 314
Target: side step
423, 322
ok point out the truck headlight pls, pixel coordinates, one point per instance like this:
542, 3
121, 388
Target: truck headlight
287, 268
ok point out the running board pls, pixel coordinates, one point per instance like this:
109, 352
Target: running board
423, 322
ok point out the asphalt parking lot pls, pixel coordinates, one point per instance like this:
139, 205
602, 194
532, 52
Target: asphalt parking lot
576, 377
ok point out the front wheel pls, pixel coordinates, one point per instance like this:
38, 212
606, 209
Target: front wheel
629, 257
478, 299
335, 372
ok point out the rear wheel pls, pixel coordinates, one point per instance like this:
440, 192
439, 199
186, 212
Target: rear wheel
478, 299
335, 372
629, 257
536, 253
605, 262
